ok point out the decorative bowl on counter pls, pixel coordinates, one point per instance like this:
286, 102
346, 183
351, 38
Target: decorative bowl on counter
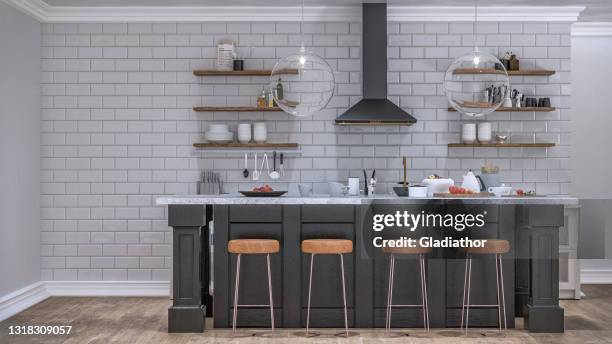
263, 194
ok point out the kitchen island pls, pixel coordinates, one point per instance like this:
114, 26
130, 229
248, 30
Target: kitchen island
530, 224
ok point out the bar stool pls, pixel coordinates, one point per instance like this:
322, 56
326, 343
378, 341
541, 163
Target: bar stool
491, 246
421, 252
327, 246
252, 246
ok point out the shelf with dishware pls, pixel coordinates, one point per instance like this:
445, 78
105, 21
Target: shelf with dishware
503, 145
245, 145
518, 109
236, 109
521, 72
246, 72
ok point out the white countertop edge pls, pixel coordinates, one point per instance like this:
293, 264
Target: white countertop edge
236, 199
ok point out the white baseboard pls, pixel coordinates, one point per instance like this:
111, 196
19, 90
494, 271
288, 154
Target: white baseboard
22, 299
108, 288
596, 276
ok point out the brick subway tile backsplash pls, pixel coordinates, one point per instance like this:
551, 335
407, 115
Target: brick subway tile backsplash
117, 124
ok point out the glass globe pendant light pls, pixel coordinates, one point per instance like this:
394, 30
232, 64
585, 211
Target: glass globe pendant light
303, 83
477, 83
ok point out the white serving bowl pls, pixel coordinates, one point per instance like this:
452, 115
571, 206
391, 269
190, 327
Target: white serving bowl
500, 191
439, 185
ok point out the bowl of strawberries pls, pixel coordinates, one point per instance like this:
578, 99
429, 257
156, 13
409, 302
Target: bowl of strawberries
263, 191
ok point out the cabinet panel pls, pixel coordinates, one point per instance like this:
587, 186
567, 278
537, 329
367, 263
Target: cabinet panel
253, 270
328, 213
327, 283
255, 213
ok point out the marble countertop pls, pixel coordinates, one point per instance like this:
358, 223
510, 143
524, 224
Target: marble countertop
230, 199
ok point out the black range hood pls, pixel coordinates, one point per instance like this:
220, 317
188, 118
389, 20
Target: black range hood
375, 108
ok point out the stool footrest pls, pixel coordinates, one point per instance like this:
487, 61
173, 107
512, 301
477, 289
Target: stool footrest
405, 306
253, 306
482, 306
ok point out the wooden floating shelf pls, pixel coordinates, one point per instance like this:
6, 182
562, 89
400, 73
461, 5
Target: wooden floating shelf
235, 109
245, 145
518, 109
524, 72
503, 145
246, 72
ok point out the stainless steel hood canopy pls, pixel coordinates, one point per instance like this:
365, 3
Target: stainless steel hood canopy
375, 108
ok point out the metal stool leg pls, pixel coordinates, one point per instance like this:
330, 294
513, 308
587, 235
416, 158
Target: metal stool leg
270, 292
236, 286
467, 305
344, 295
501, 277
424, 282
390, 292
499, 320
309, 294
465, 274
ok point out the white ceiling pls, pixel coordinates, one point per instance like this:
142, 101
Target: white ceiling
596, 10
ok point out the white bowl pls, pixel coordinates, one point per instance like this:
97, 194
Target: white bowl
218, 128
500, 190
219, 137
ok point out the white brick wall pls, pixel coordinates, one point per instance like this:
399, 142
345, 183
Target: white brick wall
118, 126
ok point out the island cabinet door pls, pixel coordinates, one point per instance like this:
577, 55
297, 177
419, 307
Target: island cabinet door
255, 222
323, 222
499, 224
407, 280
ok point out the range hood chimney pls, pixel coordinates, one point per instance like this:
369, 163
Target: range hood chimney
375, 108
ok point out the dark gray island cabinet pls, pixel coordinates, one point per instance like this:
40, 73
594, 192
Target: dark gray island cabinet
530, 268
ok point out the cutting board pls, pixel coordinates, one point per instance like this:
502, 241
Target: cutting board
474, 195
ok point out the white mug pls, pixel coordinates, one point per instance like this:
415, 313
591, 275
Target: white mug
353, 185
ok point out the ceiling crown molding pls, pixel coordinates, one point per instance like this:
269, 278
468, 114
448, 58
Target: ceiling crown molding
45, 13
485, 13
592, 29
54, 14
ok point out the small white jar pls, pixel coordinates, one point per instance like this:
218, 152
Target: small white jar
468, 132
484, 132
244, 132
260, 132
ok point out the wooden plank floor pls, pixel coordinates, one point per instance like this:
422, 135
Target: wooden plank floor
138, 320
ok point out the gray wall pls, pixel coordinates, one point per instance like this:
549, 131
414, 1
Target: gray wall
117, 124
19, 150
591, 125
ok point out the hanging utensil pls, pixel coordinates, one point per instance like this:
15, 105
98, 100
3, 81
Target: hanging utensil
274, 174
282, 166
245, 172
404, 163
255, 171
264, 160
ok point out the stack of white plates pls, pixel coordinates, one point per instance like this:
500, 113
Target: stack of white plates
219, 133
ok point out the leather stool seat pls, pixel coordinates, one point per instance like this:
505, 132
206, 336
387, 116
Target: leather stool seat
253, 246
491, 246
408, 250
327, 246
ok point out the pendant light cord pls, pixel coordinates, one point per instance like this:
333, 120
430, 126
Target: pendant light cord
302, 26
475, 25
